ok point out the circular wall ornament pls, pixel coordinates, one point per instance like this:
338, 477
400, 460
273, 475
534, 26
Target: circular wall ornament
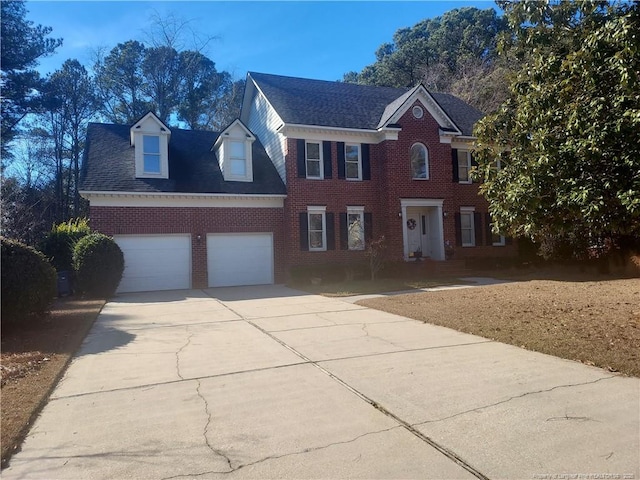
417, 112
411, 224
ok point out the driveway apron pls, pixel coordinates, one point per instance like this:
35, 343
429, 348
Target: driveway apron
269, 382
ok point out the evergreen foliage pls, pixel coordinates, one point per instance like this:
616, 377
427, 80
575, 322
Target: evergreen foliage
28, 281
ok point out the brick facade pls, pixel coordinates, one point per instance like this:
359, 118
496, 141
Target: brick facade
391, 180
194, 221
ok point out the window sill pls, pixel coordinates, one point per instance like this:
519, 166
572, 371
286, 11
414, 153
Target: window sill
353, 179
420, 179
314, 178
465, 182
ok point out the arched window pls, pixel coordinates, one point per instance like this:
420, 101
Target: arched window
419, 161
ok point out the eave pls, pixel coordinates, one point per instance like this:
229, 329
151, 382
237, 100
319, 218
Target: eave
339, 134
172, 199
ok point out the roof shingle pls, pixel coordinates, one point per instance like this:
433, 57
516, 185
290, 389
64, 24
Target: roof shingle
348, 105
109, 165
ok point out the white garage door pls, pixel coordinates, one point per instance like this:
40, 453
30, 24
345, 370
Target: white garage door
239, 259
155, 262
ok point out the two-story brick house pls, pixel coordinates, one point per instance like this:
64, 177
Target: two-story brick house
310, 173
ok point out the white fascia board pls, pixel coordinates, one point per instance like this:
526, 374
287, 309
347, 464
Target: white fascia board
336, 134
170, 199
434, 109
463, 143
421, 202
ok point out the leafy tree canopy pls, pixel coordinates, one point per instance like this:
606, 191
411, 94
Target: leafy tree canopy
456, 52
569, 134
23, 44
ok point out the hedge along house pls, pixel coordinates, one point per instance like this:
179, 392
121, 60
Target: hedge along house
310, 173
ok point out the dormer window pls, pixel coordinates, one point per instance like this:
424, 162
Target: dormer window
151, 154
150, 139
234, 151
238, 159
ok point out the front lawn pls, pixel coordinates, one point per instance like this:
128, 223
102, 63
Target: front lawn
596, 322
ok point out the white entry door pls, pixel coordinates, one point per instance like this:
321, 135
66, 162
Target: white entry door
155, 262
239, 259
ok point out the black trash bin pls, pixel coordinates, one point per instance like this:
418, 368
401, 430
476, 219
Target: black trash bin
64, 283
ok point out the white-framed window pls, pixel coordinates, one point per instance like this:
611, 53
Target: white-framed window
151, 154
317, 223
419, 162
497, 240
464, 166
467, 227
417, 112
313, 156
355, 228
352, 162
238, 159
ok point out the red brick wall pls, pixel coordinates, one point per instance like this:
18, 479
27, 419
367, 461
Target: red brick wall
391, 180
194, 221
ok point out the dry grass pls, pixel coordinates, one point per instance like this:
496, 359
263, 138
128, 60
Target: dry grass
33, 358
594, 322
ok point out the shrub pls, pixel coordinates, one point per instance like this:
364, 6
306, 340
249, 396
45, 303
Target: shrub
58, 245
28, 281
98, 263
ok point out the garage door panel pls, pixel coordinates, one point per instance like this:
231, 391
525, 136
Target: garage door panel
240, 259
155, 262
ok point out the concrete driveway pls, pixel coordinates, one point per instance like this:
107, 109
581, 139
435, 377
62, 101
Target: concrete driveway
268, 382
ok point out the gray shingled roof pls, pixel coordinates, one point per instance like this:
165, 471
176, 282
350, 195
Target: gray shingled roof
347, 105
193, 168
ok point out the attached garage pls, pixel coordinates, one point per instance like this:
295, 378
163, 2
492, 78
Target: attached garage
239, 259
155, 262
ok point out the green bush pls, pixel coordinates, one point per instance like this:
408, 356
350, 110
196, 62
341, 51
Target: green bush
28, 281
98, 263
58, 245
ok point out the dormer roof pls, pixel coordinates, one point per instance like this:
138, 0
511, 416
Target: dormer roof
232, 130
148, 120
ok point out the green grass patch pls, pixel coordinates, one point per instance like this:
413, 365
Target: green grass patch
348, 288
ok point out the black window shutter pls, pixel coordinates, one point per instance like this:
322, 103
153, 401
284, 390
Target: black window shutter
326, 158
302, 167
458, 230
477, 227
487, 225
341, 166
331, 231
304, 232
366, 162
368, 228
454, 164
344, 232
473, 164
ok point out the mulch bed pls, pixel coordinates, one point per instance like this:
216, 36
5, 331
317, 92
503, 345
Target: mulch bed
34, 356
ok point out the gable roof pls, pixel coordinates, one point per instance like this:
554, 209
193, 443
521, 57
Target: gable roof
348, 105
109, 165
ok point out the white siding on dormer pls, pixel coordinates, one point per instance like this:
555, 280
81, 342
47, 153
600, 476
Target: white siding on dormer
263, 122
150, 125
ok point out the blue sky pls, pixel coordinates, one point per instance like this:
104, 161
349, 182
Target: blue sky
320, 40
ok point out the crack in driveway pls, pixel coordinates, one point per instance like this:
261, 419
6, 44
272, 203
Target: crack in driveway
277, 457
179, 351
515, 397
